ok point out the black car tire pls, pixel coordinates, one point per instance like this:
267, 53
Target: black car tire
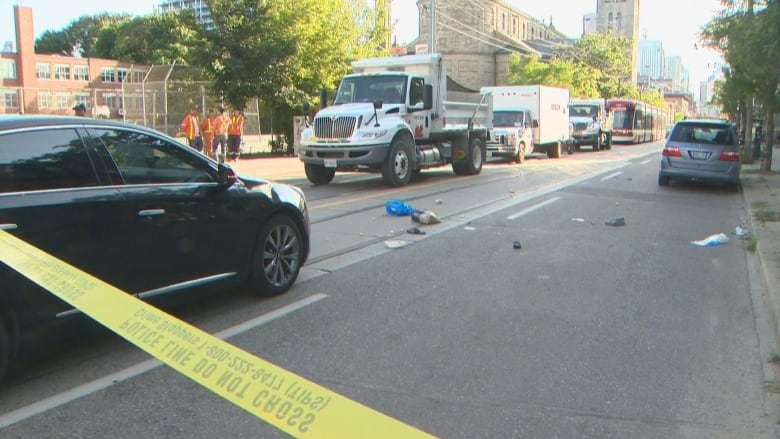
319, 175
476, 156
397, 167
663, 180
277, 256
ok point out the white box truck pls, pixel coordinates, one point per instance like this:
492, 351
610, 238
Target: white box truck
548, 126
392, 116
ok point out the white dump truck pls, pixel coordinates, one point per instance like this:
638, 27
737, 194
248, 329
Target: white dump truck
592, 123
391, 115
533, 118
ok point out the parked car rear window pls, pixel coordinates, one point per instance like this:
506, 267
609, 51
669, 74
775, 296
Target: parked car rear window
703, 133
44, 159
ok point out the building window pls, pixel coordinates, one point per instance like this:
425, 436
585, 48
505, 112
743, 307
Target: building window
610, 17
122, 74
42, 70
62, 71
108, 74
514, 25
619, 22
525, 34
44, 100
81, 73
11, 99
138, 76
63, 100
9, 69
111, 100
503, 21
81, 98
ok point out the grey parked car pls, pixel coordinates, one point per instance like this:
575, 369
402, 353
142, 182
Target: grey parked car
701, 150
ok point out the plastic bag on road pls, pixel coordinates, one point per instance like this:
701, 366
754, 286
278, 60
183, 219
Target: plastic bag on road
398, 208
712, 240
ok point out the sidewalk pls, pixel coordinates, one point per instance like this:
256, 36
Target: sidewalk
761, 192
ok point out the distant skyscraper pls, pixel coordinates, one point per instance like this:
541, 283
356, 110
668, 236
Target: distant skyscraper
590, 24
199, 7
651, 59
674, 72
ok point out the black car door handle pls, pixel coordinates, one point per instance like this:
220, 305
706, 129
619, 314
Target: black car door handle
151, 212
8, 226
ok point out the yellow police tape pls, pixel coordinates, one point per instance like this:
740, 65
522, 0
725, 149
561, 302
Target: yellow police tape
289, 402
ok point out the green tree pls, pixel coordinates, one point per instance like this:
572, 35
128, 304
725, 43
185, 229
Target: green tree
610, 56
79, 36
151, 39
529, 69
749, 43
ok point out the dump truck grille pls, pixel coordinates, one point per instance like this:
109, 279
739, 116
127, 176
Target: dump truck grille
339, 128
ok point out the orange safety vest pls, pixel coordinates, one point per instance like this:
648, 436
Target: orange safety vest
190, 126
207, 126
221, 123
236, 125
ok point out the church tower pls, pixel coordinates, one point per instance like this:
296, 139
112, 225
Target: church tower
622, 18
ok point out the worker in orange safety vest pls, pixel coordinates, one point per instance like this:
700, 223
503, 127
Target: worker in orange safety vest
207, 128
191, 127
235, 133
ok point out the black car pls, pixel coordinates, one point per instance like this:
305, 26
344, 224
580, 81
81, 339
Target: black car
140, 211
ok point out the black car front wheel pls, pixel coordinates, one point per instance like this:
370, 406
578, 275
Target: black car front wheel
277, 257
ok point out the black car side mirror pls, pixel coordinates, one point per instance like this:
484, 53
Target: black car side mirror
226, 177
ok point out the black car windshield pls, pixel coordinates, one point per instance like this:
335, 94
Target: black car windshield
390, 89
703, 133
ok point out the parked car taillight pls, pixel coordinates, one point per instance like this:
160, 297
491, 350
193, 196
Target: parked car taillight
672, 151
729, 156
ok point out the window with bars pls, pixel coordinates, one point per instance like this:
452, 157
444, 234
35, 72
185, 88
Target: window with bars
81, 73
44, 100
108, 74
63, 100
8, 69
62, 71
42, 70
11, 99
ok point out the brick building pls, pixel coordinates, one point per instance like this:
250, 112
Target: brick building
53, 84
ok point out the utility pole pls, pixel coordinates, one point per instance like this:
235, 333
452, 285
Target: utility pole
432, 42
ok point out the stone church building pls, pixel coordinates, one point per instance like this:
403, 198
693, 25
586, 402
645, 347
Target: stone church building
477, 37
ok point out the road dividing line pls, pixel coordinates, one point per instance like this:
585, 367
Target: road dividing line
644, 162
613, 175
532, 208
285, 400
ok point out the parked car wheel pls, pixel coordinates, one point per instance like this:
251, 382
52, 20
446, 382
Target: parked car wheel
521, 150
277, 257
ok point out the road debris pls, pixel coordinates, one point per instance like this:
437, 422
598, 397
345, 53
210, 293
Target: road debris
398, 208
616, 221
425, 217
415, 231
578, 220
395, 243
516, 245
712, 240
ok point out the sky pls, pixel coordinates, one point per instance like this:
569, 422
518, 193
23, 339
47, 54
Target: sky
674, 22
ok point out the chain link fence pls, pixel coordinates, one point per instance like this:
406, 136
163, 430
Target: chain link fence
158, 97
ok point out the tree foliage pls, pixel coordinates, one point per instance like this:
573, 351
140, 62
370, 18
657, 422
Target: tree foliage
748, 35
79, 37
151, 39
595, 66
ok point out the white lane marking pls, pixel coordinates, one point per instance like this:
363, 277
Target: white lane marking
644, 162
99, 384
611, 175
532, 208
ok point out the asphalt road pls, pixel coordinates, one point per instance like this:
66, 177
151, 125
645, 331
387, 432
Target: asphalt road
587, 330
